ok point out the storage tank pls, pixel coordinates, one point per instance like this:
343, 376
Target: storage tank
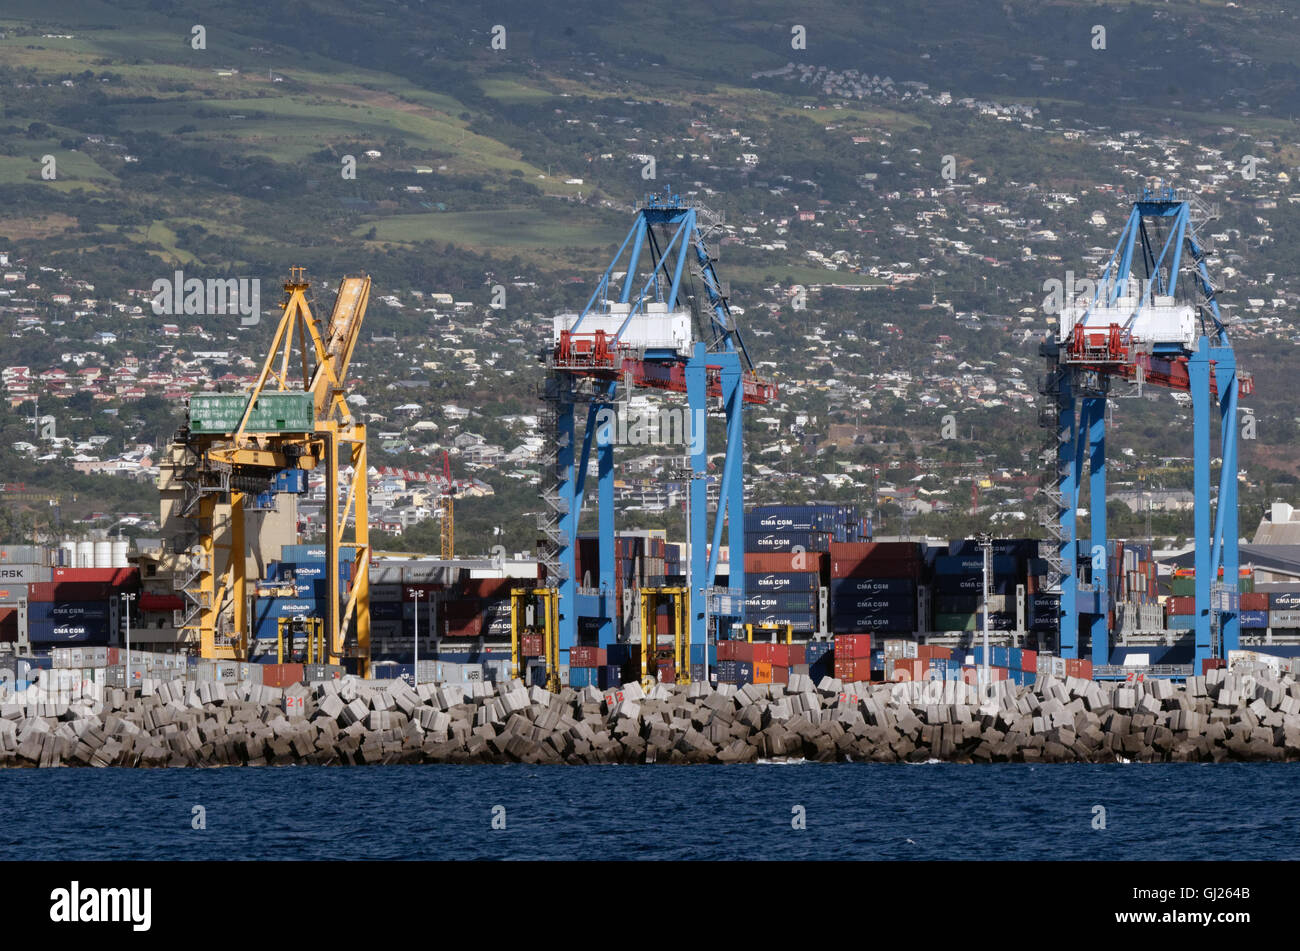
120, 547
85, 555
103, 554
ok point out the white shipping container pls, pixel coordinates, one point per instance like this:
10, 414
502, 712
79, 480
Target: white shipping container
1284, 619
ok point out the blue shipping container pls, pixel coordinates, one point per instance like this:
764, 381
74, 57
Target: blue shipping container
782, 601
1284, 600
974, 565
761, 583
875, 604
972, 584
61, 631
897, 623
1254, 620
851, 587
787, 541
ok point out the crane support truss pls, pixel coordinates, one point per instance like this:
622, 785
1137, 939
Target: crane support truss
1155, 337
227, 465
668, 327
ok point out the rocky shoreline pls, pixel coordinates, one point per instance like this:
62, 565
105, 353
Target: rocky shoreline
1220, 717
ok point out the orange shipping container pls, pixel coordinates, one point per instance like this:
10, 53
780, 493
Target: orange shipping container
906, 668
762, 672
783, 562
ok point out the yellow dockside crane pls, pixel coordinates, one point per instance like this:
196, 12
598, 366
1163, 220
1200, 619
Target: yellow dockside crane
287, 427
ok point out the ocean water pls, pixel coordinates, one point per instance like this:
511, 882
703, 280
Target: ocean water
849, 811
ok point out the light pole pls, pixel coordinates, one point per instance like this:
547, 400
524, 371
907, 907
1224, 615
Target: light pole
126, 600
415, 599
986, 553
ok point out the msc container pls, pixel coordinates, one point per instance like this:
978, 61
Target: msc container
274, 412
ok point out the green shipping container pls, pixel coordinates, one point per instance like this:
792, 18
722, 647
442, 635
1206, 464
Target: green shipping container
1184, 587
274, 412
954, 622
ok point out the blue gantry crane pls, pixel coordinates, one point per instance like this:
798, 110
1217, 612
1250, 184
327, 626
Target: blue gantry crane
658, 319
1151, 320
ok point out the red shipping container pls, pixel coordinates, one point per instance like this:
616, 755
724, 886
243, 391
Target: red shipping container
796, 654
908, 668
8, 625
586, 657
852, 646
490, 587
533, 645
764, 653
1029, 661
1255, 601
1078, 667
743, 651
1216, 663
726, 650
780, 675
875, 560
281, 675
971, 675
784, 562
934, 652
463, 627
853, 669
1182, 605
667, 673
71, 591
116, 577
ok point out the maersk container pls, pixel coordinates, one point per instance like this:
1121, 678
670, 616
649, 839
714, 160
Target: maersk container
761, 583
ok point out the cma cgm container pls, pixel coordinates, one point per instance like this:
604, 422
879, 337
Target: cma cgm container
800, 518
853, 587
877, 623
787, 541
781, 581
874, 605
792, 602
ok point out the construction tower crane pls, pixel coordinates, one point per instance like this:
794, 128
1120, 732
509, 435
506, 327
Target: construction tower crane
1152, 319
236, 452
667, 327
447, 499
